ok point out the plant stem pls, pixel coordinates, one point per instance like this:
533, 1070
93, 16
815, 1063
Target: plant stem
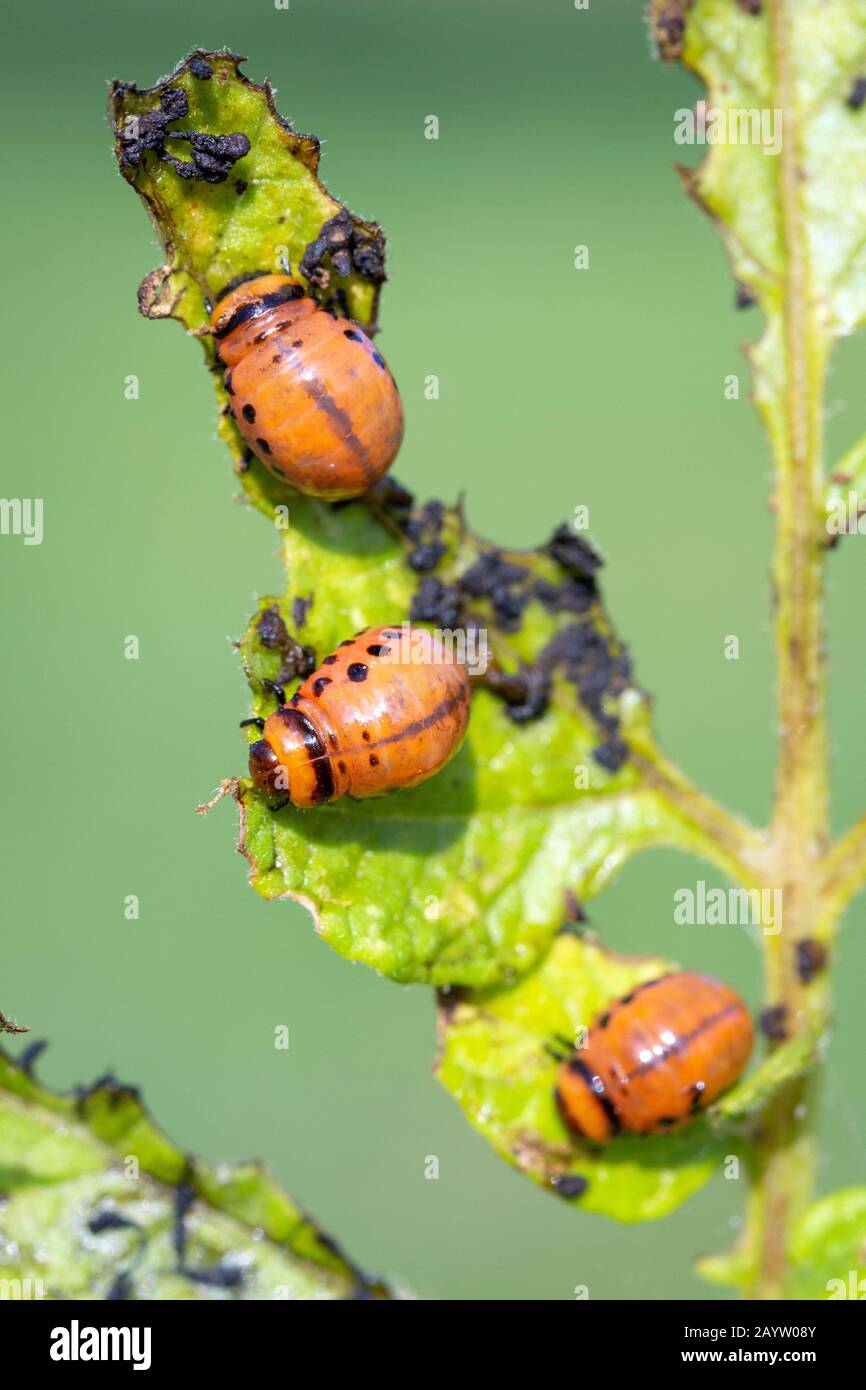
784, 1161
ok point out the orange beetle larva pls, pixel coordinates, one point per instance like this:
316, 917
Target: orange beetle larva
310, 394
655, 1057
386, 710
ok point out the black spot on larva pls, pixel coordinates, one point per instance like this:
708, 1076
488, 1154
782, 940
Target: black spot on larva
393, 636
241, 186
276, 359
811, 958
378, 359
347, 642
200, 69
249, 413
332, 739
603, 1021
297, 342
260, 337
374, 761
319, 684
377, 649
774, 1023
341, 765
365, 735
227, 383
329, 660
569, 1185
857, 94
264, 446
352, 334
357, 671
665, 1121
627, 998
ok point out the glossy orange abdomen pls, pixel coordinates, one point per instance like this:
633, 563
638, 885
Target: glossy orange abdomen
656, 1057
310, 394
386, 710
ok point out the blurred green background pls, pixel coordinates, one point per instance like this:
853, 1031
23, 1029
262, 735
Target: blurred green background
602, 387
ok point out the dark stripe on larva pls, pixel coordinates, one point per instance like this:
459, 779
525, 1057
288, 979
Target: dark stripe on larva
339, 417
639, 989
419, 725
319, 759
682, 1043
595, 1084
613, 1011
254, 308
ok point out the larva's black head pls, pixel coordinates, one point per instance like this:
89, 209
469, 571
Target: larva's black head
264, 766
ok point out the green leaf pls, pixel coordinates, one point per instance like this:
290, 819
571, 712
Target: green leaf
93, 1194
261, 208
465, 879
493, 1060
847, 478
826, 1255
727, 1269
736, 53
828, 1249
767, 213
